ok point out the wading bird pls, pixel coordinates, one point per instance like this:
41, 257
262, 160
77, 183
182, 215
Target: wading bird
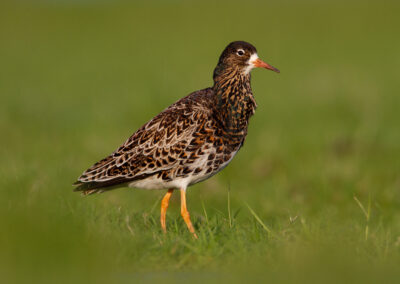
188, 142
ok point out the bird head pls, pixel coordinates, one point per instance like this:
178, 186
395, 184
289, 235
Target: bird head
242, 55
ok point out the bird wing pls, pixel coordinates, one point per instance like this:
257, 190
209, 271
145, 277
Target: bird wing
159, 145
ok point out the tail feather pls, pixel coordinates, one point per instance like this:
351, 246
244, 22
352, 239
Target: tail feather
92, 187
88, 188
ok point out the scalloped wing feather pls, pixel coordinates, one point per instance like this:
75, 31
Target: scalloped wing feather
157, 146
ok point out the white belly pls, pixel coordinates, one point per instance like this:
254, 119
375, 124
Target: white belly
154, 182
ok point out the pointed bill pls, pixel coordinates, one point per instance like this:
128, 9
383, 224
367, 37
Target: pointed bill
261, 64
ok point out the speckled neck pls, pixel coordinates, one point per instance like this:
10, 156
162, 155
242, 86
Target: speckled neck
234, 98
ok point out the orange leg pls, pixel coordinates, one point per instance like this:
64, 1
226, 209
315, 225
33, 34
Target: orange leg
164, 207
185, 213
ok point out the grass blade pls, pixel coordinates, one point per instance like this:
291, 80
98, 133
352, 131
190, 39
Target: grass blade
259, 220
229, 207
367, 214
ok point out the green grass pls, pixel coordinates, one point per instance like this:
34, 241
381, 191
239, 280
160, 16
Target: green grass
313, 196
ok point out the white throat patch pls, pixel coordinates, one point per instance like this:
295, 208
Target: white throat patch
250, 63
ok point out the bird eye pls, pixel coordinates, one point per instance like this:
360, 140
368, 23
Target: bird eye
240, 52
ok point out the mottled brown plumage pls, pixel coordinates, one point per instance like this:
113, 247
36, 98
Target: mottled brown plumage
189, 141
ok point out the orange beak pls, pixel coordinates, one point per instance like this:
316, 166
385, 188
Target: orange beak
259, 63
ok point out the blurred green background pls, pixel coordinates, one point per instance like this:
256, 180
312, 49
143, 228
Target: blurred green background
320, 167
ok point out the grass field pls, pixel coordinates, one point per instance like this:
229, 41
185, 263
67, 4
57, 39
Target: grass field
313, 196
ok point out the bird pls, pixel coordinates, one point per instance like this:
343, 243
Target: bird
188, 142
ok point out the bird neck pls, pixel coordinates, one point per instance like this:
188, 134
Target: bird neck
235, 102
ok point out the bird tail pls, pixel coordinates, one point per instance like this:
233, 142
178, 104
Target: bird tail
91, 187
88, 188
